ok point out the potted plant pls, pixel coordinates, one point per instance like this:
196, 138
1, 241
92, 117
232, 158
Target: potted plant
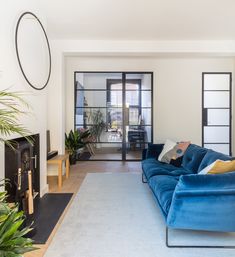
13, 240
73, 141
13, 237
98, 124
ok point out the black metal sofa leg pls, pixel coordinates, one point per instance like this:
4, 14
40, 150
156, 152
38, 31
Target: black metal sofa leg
195, 246
143, 178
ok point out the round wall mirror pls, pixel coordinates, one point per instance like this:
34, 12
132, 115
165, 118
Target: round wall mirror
33, 50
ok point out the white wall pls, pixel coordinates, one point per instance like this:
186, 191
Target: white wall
11, 77
177, 89
99, 55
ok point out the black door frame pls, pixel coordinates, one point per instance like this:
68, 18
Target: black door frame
123, 79
230, 108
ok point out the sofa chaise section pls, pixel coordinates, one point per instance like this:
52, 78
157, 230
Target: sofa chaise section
204, 202
189, 200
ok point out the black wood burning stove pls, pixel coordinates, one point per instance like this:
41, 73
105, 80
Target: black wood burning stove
23, 171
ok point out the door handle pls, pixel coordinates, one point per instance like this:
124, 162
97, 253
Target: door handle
35, 161
19, 179
204, 117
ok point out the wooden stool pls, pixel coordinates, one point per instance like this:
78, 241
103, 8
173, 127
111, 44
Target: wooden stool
59, 159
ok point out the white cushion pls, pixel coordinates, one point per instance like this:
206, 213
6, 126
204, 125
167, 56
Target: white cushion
169, 144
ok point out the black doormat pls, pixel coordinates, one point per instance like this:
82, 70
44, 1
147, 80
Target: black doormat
47, 211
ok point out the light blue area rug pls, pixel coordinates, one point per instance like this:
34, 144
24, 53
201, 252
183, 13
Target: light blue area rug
115, 215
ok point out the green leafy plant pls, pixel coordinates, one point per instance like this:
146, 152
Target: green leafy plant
98, 124
13, 239
10, 110
13, 242
75, 140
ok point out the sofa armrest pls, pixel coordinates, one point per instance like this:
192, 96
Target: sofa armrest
196, 183
204, 202
153, 150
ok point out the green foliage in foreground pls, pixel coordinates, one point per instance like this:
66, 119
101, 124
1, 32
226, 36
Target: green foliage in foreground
12, 232
12, 240
10, 110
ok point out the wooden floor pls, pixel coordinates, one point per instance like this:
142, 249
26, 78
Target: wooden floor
72, 184
114, 153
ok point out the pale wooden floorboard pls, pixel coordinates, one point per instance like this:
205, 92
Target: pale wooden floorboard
73, 183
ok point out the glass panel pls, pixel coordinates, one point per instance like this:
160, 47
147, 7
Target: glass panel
218, 116
216, 81
104, 135
133, 85
133, 117
91, 98
146, 100
216, 99
148, 134
116, 86
111, 151
134, 151
114, 118
132, 98
96, 80
111, 118
145, 80
79, 98
80, 126
216, 135
115, 99
135, 137
138, 134
146, 117
88, 116
223, 148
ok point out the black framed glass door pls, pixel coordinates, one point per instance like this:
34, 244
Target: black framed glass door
137, 96
117, 108
216, 111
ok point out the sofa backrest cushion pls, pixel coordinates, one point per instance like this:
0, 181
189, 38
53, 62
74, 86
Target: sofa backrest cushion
212, 156
193, 157
154, 150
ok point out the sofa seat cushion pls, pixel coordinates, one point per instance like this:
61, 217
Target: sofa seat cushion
163, 187
210, 157
180, 171
193, 157
152, 167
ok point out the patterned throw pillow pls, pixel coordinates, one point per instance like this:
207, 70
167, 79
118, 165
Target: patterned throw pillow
175, 152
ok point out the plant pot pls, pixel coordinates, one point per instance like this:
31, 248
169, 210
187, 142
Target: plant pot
72, 159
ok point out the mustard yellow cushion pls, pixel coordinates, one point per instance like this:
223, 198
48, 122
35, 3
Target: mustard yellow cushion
222, 167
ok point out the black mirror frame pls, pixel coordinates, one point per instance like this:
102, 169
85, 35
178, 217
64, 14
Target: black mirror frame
17, 50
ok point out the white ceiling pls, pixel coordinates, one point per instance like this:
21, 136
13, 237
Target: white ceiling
141, 19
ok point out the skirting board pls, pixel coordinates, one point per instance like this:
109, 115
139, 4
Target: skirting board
44, 191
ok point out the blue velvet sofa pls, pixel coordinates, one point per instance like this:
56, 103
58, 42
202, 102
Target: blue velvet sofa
188, 200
